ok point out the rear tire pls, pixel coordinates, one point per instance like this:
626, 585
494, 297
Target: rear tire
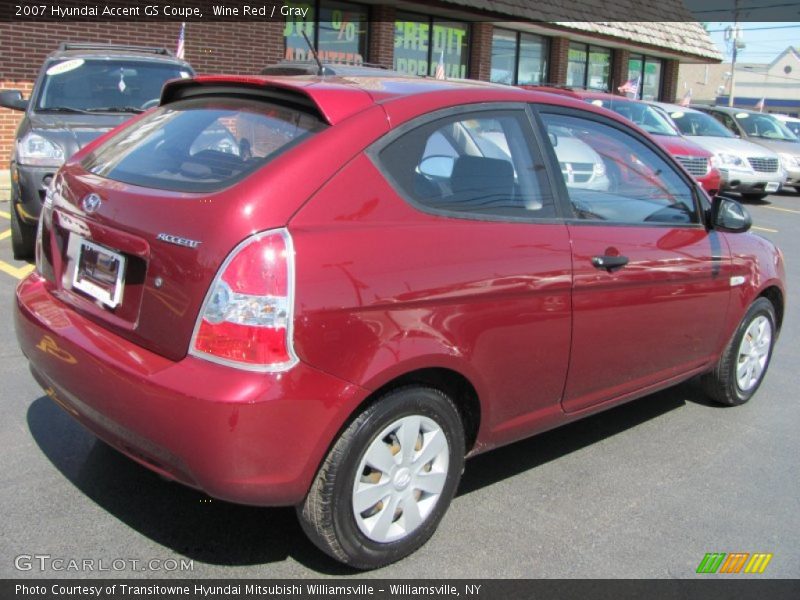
388, 479
745, 360
23, 236
754, 197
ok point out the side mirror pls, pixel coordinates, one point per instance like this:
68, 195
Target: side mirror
729, 215
13, 99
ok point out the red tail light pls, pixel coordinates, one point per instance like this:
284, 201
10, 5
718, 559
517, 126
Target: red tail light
246, 319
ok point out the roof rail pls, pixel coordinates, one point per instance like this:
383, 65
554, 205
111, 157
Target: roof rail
119, 47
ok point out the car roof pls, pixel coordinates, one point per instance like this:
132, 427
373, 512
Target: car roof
727, 109
337, 97
67, 50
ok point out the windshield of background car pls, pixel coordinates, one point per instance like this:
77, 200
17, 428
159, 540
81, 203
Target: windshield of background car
97, 85
764, 126
643, 115
697, 123
202, 144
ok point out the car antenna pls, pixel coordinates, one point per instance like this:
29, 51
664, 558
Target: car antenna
313, 52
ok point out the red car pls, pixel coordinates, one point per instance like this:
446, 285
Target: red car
327, 292
695, 159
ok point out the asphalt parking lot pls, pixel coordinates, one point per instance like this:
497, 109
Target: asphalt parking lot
643, 490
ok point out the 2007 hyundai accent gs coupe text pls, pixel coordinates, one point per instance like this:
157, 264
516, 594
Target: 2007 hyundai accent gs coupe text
373, 278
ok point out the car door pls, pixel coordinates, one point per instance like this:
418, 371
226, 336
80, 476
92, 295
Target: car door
650, 283
474, 187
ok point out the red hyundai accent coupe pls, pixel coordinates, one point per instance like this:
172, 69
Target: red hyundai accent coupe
327, 292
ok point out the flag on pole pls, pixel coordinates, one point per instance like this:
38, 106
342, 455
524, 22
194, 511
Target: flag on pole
630, 87
439, 73
687, 98
181, 37
760, 104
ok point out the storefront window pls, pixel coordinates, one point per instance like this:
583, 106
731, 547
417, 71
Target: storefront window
518, 58
648, 71
588, 66
420, 43
339, 35
576, 66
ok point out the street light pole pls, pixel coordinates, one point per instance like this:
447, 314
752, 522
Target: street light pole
734, 36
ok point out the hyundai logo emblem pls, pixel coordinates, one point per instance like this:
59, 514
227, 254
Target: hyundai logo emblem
91, 202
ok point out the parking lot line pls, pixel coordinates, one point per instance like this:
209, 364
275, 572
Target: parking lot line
767, 229
5, 215
5, 234
18, 272
789, 210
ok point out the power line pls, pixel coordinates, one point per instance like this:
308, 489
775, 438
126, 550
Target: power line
743, 8
758, 28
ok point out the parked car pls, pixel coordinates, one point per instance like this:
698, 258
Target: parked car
82, 91
694, 158
742, 162
765, 130
791, 123
336, 318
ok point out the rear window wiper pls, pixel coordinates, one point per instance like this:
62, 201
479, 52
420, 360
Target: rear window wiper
128, 109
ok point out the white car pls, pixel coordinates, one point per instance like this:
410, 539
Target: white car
792, 123
747, 168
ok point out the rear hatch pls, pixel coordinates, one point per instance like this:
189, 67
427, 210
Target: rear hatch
135, 227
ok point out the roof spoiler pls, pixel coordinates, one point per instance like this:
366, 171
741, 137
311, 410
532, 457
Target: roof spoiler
325, 103
63, 46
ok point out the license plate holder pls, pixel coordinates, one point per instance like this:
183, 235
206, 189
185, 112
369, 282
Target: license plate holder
99, 273
772, 187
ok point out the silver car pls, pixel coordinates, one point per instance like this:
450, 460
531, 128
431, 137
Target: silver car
747, 168
765, 130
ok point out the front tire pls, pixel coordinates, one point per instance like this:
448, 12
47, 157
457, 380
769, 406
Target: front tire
388, 479
754, 197
745, 360
23, 236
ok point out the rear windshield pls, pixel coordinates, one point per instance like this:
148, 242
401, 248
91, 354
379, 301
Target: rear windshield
201, 144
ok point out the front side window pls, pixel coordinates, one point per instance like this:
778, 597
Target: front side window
479, 164
202, 144
104, 85
634, 185
339, 34
421, 44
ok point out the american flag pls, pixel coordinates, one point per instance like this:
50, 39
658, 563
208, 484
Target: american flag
760, 105
181, 36
687, 98
630, 87
439, 73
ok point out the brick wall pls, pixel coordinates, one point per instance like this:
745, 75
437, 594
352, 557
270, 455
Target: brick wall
669, 81
480, 55
559, 57
233, 47
381, 36
619, 68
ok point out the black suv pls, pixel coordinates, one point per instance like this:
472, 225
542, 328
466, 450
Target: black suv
82, 91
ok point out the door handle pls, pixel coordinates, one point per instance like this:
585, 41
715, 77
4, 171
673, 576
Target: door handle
609, 263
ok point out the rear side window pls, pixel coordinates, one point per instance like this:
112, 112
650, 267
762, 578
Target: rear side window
201, 144
480, 164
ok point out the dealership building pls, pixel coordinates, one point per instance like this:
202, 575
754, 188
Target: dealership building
506, 41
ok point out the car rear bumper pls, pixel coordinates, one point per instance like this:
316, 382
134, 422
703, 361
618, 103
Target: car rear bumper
251, 438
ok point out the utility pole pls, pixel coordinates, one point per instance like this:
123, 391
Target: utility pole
733, 35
